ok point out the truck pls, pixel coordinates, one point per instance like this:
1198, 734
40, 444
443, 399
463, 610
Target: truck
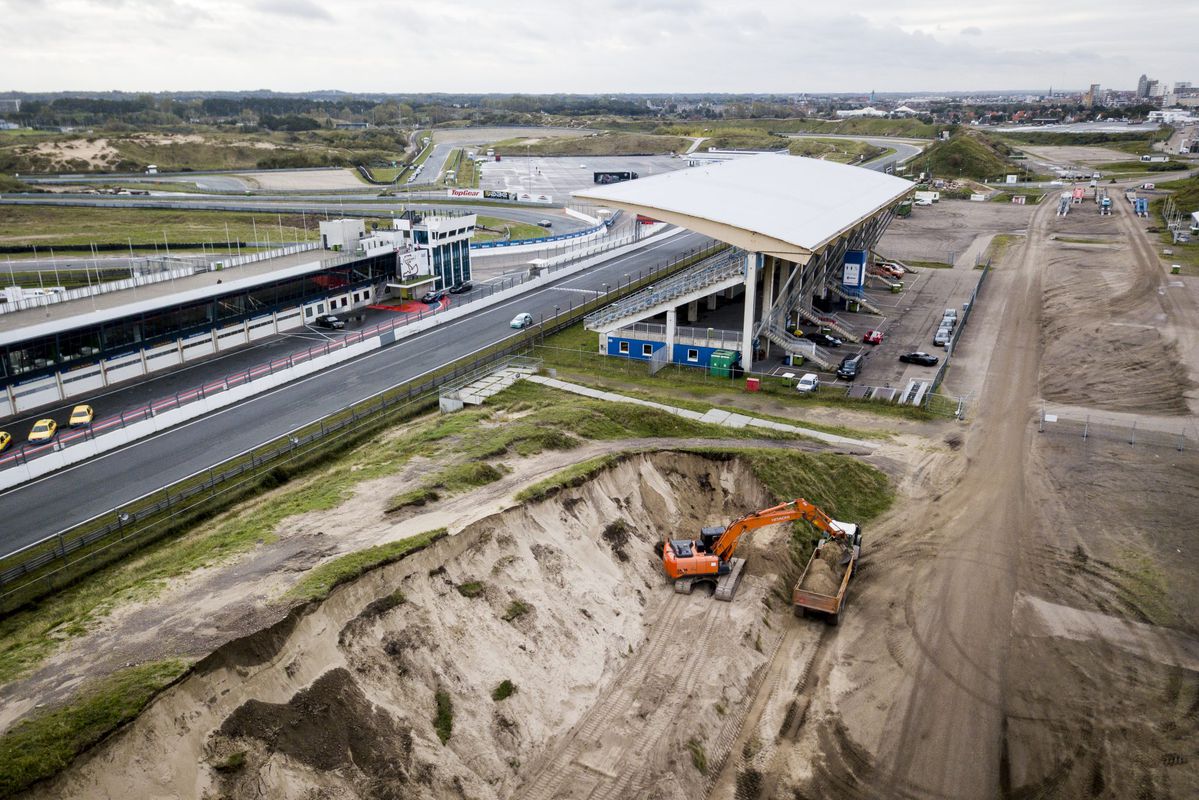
614, 176
822, 588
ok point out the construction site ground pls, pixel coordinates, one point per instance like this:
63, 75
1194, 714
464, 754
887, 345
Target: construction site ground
1023, 622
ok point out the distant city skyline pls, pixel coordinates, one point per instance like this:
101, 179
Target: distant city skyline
609, 46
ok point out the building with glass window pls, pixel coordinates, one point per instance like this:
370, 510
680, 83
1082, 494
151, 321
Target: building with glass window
62, 350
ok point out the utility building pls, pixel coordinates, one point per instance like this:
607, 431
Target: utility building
799, 231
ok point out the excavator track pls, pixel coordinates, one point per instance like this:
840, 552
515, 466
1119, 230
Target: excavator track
726, 587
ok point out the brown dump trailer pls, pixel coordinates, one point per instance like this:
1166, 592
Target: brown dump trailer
821, 590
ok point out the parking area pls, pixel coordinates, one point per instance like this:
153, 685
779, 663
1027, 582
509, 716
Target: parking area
558, 176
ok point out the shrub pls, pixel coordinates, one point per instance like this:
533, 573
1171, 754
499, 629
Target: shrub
471, 589
505, 690
443, 722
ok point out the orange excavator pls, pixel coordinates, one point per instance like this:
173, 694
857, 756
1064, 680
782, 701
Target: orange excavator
710, 557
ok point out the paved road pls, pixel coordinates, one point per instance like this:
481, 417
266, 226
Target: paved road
905, 149
105, 483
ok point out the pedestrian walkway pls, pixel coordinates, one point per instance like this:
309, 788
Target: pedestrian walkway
713, 416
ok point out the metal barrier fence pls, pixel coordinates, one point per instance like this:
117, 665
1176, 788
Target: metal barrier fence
1180, 434
149, 517
961, 326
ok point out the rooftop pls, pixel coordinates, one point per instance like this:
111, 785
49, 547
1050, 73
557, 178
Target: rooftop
782, 205
56, 317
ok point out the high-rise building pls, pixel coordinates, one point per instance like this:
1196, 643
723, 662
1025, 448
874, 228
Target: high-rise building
1143, 86
1090, 96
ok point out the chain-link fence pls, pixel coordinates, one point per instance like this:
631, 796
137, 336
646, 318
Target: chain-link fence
1162, 432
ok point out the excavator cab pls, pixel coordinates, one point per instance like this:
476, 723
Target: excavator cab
707, 539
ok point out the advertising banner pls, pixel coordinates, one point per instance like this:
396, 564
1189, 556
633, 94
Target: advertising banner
854, 268
496, 194
469, 194
530, 197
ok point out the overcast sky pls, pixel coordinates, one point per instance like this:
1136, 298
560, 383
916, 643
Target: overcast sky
595, 46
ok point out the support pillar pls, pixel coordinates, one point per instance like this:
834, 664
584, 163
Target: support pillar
752, 263
693, 311
712, 301
768, 292
672, 321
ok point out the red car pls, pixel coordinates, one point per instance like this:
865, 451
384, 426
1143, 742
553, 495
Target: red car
873, 337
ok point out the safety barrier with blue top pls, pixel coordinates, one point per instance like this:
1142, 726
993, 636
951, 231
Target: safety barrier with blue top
547, 239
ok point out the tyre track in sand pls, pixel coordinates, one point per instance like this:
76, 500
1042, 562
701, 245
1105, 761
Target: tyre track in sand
597, 764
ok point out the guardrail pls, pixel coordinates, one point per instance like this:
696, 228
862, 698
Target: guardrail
42, 567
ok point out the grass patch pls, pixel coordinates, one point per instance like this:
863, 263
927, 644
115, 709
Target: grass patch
928, 264
600, 144
969, 154
511, 229
46, 226
321, 580
998, 247
46, 743
516, 609
443, 722
472, 589
413, 497
234, 763
699, 759
452, 480
505, 690
574, 475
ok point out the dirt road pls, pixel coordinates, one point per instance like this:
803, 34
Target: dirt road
946, 735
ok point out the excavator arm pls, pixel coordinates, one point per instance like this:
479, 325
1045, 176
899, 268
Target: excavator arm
796, 509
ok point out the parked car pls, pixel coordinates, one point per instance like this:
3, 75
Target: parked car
521, 321
850, 367
919, 357
942, 337
81, 415
43, 430
808, 383
545, 223
461, 287
823, 339
948, 322
331, 322
434, 296
873, 337
5, 440
952, 312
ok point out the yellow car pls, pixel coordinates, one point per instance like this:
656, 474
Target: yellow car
81, 415
43, 430
5, 440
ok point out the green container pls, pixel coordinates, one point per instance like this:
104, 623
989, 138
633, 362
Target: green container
721, 365
896, 288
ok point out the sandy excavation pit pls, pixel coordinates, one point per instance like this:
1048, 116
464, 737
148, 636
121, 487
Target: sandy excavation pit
615, 674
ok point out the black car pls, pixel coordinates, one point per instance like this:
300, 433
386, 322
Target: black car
923, 359
461, 288
434, 296
823, 339
330, 321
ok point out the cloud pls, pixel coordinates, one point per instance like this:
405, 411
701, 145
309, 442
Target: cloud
973, 30
300, 9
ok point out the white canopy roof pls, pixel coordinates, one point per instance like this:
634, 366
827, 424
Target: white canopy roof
781, 205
